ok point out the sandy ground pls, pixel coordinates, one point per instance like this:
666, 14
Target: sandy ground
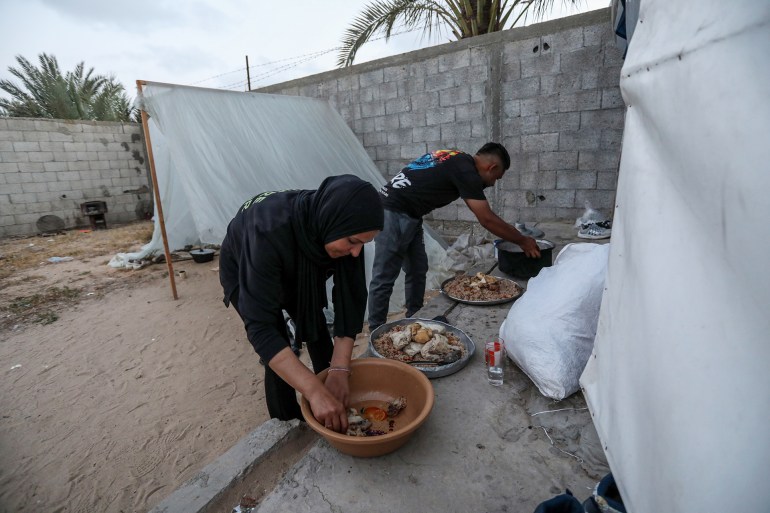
125, 396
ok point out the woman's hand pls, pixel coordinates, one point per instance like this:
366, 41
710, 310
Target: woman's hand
327, 409
337, 384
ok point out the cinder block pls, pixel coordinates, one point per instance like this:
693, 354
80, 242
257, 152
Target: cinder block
11, 136
455, 131
26, 218
395, 73
523, 163
20, 124
564, 41
517, 50
375, 138
347, 83
609, 159
440, 115
612, 54
522, 125
455, 96
32, 167
424, 101
584, 100
363, 125
400, 136
589, 79
512, 143
409, 152
556, 160
561, 83
595, 34
612, 98
14, 208
454, 60
523, 88
426, 133
12, 188
388, 151
512, 108
478, 92
569, 213
23, 198
370, 109
611, 139
609, 77
85, 155
540, 64
76, 166
9, 167
607, 180
439, 82
389, 122
44, 177
370, 78
51, 146
6, 220
388, 91
6, 146
540, 142
69, 175
559, 122
36, 136
479, 129
3, 124
572, 179
26, 146
605, 118
540, 105
327, 88
368, 94
12, 156
55, 167
469, 111
511, 71
39, 207
60, 137
411, 86
557, 198
411, 119
424, 68
107, 155
583, 139
41, 156
397, 105
590, 57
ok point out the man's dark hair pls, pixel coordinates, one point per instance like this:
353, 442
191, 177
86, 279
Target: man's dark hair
498, 150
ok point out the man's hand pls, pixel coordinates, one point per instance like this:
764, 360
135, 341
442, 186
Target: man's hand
529, 246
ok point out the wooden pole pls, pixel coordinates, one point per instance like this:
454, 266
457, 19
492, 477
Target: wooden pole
248, 75
158, 206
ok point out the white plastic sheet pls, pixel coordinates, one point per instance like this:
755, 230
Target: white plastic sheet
215, 149
679, 387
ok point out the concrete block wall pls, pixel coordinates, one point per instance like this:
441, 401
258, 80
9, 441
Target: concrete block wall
549, 92
50, 167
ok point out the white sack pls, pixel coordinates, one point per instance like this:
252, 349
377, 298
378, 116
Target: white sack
549, 331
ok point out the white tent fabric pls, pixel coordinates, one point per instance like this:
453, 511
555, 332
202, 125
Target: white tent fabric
678, 383
215, 149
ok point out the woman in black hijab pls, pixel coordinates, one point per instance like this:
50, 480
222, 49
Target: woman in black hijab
277, 255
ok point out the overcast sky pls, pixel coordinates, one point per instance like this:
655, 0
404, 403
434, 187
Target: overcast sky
194, 42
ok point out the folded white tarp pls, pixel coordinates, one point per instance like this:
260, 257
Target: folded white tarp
679, 385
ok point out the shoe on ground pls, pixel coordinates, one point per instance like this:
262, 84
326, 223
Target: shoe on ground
594, 231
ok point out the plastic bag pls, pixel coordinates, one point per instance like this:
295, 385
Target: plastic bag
549, 332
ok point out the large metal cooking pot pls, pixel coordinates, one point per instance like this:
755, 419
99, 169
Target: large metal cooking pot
512, 260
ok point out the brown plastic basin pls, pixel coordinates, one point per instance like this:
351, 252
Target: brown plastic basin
377, 379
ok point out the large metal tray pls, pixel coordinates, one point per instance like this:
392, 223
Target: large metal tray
431, 371
483, 303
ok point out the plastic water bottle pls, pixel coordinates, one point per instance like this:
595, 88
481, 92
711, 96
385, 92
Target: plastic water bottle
494, 353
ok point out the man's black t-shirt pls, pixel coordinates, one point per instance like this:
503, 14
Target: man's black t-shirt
432, 181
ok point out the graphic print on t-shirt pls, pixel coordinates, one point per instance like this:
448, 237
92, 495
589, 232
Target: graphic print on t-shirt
430, 160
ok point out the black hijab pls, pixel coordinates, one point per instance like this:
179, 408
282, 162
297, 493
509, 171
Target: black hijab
342, 206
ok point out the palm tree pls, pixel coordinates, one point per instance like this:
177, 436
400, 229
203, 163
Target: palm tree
464, 18
77, 94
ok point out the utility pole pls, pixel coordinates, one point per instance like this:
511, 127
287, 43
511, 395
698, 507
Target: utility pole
248, 76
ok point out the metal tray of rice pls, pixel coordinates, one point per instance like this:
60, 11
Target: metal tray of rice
379, 347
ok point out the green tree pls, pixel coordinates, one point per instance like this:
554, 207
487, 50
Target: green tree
79, 94
464, 18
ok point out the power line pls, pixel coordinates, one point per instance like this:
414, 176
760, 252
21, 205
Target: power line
292, 63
